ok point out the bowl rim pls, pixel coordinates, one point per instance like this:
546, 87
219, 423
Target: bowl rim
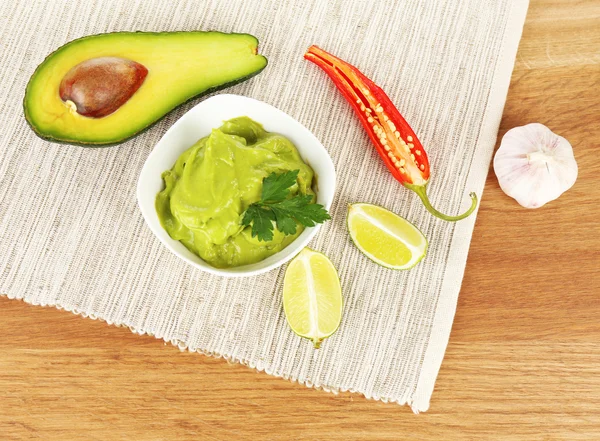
285, 254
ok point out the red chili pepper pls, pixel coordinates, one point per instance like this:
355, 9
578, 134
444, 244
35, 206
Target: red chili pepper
396, 142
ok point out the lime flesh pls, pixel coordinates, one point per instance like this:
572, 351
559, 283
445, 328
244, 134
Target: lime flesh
385, 237
312, 296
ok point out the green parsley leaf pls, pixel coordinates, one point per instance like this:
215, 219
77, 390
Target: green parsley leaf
284, 222
261, 220
276, 186
276, 207
311, 215
301, 209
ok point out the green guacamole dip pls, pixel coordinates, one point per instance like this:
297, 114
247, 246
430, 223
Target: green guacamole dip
214, 181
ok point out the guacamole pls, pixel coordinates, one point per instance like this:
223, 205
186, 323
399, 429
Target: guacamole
214, 181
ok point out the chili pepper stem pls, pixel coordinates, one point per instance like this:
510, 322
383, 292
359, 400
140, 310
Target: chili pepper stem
421, 191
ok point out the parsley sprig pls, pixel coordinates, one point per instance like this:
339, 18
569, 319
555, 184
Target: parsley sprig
276, 207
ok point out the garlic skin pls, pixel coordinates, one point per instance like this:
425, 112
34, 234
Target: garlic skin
534, 165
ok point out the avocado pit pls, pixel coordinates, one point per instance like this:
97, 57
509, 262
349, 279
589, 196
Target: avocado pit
99, 86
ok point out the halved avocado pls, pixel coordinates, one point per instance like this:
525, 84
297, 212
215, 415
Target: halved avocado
180, 66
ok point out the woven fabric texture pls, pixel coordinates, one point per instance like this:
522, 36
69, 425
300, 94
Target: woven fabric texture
72, 236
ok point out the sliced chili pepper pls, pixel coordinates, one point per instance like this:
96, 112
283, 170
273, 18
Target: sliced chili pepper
396, 142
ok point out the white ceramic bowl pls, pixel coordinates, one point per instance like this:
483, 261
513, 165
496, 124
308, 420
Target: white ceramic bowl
197, 123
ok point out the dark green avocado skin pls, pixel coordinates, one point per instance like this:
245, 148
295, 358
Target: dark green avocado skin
101, 145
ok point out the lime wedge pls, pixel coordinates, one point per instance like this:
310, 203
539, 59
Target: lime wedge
384, 237
312, 296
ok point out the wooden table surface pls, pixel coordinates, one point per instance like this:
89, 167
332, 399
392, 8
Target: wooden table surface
524, 356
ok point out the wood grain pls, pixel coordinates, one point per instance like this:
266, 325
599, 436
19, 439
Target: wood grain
524, 356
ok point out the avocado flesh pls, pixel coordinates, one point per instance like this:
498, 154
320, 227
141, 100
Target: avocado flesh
181, 66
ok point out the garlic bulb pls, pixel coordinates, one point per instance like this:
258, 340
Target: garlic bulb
534, 165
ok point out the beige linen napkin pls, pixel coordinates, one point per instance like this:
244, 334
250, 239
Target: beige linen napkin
71, 234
